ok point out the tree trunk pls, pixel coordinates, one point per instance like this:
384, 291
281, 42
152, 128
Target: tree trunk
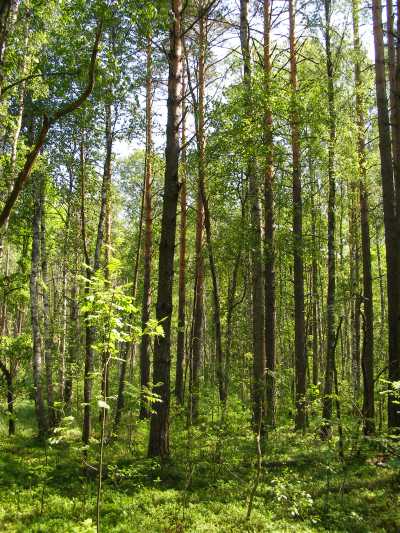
314, 278
300, 351
35, 312
180, 349
330, 302
127, 346
269, 239
147, 249
47, 323
159, 427
389, 215
258, 319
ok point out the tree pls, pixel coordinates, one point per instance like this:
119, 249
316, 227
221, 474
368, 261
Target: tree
159, 427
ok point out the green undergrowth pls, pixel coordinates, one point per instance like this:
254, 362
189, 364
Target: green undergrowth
205, 485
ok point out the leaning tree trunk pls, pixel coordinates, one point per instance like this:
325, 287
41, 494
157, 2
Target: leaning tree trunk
159, 427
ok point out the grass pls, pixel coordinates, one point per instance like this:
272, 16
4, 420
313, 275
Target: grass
203, 488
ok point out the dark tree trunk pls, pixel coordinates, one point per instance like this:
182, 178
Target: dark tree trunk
198, 311
330, 303
128, 347
35, 312
148, 234
258, 320
180, 349
389, 214
269, 238
47, 322
159, 427
300, 351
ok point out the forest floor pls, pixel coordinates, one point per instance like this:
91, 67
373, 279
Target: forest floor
205, 486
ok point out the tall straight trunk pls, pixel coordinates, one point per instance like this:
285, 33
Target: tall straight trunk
298, 270
394, 87
47, 322
220, 361
8, 376
35, 311
269, 237
180, 349
389, 214
72, 341
355, 302
198, 299
258, 319
159, 427
89, 331
102, 249
314, 277
330, 301
367, 297
127, 346
147, 248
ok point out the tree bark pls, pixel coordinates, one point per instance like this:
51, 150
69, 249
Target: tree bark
389, 214
159, 427
147, 249
330, 302
47, 322
298, 270
35, 312
180, 350
255, 242
269, 237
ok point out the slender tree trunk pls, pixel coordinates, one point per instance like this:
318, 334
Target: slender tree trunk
389, 215
258, 319
128, 346
47, 322
72, 342
367, 297
269, 238
298, 270
330, 302
159, 427
393, 96
198, 298
35, 312
180, 350
355, 302
314, 279
147, 249
89, 331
